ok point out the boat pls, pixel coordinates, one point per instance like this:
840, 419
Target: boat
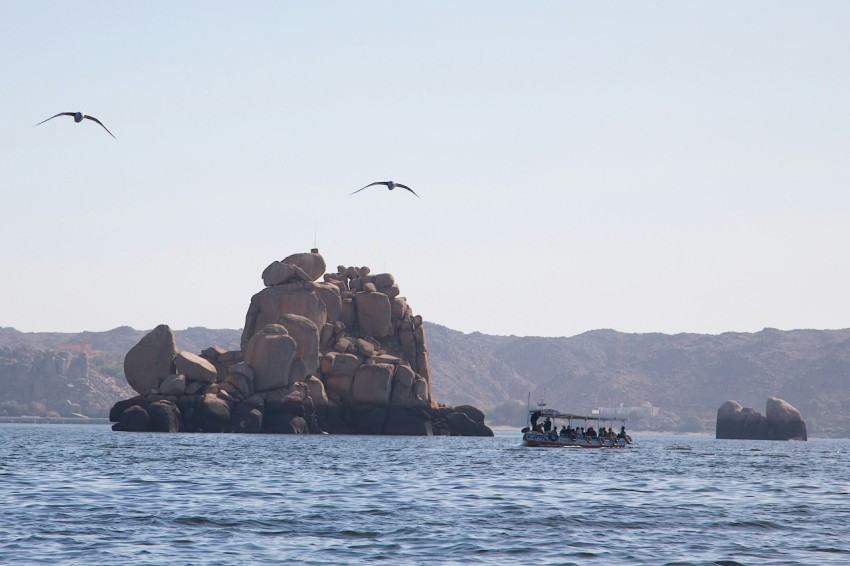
582, 435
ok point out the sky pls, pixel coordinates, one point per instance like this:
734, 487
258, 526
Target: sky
642, 166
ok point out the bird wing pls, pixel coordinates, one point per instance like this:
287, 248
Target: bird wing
99, 122
408, 188
52, 117
372, 185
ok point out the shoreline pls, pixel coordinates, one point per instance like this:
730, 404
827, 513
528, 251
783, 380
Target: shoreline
55, 420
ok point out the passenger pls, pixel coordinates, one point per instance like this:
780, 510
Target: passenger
622, 433
564, 431
547, 425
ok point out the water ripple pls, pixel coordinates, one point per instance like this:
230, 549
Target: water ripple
83, 494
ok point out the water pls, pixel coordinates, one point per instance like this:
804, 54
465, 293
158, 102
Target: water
77, 494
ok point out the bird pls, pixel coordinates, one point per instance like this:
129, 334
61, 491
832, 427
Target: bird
390, 185
79, 117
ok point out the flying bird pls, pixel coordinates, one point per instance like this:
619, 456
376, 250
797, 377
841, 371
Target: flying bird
390, 185
79, 117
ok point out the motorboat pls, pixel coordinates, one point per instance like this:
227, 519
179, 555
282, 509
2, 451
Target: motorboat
576, 431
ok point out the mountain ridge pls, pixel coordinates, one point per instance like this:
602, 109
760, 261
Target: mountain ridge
686, 375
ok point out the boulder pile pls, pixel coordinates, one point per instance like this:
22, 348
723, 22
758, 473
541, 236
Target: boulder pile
782, 422
345, 355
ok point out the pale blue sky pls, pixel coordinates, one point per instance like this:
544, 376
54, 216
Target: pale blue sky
643, 166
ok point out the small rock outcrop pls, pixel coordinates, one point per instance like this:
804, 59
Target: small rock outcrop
782, 422
343, 355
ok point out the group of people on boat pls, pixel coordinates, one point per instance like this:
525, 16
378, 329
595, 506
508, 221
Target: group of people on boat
579, 432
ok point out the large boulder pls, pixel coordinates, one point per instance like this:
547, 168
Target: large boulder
398, 307
278, 273
313, 264
195, 368
383, 280
316, 392
215, 413
118, 408
306, 335
403, 394
783, 422
268, 305
338, 370
164, 416
151, 359
240, 380
460, 424
734, 421
474, 413
330, 296
133, 419
173, 384
372, 385
271, 353
374, 314
284, 401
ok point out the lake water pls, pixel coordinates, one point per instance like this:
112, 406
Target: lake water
77, 494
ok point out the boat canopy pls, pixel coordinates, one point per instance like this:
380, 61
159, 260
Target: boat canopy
553, 414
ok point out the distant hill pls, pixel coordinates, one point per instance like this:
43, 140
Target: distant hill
118, 340
66, 374
686, 376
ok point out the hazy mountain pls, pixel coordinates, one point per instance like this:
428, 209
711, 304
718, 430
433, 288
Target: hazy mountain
687, 376
63, 374
118, 340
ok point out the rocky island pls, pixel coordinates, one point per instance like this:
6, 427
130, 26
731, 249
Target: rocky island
344, 355
782, 422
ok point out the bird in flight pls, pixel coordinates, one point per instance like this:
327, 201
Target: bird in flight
79, 117
390, 185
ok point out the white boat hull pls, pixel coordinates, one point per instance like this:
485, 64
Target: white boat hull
554, 440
